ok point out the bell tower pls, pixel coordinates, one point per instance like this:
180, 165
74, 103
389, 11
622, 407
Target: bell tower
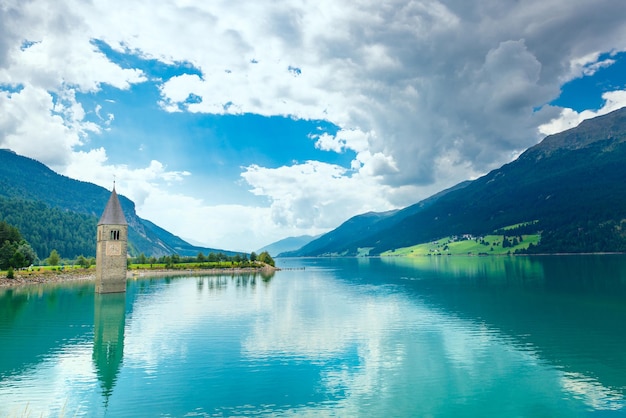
111, 248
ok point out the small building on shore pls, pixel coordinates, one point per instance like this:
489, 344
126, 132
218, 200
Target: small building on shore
111, 248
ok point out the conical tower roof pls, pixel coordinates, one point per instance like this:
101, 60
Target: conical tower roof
113, 213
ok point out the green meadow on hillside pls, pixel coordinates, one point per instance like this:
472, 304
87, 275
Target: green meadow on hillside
467, 245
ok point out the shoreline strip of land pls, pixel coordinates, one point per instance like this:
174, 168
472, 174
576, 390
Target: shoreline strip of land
25, 278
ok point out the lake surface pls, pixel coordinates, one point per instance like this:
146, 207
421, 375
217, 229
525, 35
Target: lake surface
426, 337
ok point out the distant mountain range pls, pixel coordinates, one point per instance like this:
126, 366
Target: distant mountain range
56, 212
287, 244
570, 188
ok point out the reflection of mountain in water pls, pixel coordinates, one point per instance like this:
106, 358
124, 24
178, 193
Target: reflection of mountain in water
568, 310
108, 343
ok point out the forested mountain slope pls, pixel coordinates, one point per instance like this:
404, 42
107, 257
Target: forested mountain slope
572, 183
56, 212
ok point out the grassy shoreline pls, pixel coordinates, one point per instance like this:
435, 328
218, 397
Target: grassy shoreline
487, 245
44, 276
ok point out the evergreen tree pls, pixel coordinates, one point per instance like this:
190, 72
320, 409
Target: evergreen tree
15, 252
7, 249
9, 233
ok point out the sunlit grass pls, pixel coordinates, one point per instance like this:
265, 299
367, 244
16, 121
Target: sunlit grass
486, 245
38, 270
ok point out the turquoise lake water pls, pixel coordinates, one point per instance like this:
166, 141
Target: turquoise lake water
426, 337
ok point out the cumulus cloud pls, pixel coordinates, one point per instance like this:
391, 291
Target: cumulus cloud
569, 118
50, 59
63, 61
422, 79
315, 194
31, 123
139, 183
234, 227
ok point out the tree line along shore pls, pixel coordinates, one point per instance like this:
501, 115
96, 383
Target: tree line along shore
17, 254
48, 274
20, 264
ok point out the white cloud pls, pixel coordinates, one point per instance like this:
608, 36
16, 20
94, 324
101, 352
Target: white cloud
328, 142
569, 118
51, 59
345, 139
177, 90
136, 183
315, 195
587, 65
32, 124
228, 227
61, 62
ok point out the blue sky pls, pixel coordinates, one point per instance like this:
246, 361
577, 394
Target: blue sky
585, 93
236, 125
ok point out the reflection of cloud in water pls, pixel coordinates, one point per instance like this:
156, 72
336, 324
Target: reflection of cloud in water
163, 322
50, 388
591, 392
317, 325
378, 352
406, 346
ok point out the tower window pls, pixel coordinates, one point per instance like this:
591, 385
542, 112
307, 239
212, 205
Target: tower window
115, 234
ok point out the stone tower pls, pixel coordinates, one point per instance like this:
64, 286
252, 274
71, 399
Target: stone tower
111, 248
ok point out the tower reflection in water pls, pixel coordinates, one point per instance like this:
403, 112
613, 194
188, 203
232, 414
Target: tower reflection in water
108, 340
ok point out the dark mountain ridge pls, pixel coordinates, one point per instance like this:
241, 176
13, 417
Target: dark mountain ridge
30, 191
571, 183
